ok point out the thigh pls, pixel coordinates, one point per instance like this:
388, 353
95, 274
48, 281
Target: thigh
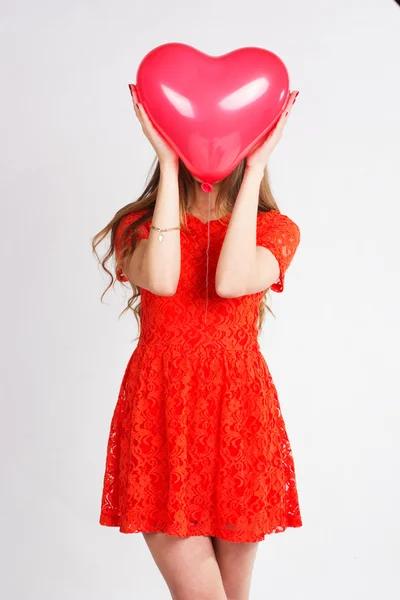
188, 565
236, 561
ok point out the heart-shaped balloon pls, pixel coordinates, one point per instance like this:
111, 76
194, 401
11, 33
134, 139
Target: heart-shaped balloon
212, 110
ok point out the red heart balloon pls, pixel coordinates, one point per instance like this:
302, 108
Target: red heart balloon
212, 110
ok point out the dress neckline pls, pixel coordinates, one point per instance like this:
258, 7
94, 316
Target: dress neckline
210, 221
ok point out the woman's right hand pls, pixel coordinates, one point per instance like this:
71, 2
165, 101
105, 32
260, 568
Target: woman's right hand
165, 153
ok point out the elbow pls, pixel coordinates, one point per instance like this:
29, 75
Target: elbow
225, 291
169, 292
163, 291
155, 288
163, 288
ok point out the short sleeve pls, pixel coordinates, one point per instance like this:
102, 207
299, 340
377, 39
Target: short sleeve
281, 236
141, 233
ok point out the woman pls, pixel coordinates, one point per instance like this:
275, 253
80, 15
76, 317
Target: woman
198, 457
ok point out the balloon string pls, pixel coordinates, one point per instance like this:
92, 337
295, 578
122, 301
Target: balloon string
207, 251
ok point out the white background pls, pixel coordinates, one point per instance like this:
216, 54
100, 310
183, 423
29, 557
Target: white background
73, 153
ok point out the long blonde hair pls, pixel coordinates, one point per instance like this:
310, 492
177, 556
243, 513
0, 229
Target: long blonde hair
224, 202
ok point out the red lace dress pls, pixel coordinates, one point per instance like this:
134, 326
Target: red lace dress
197, 442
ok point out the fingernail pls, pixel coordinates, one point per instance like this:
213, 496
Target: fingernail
137, 105
295, 98
286, 114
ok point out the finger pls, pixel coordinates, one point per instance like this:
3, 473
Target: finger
144, 118
134, 98
137, 112
288, 109
290, 102
141, 113
137, 106
295, 94
132, 89
276, 132
282, 120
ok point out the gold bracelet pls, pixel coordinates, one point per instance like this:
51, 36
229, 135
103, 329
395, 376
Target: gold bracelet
161, 237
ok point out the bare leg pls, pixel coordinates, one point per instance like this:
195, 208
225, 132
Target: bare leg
188, 565
236, 561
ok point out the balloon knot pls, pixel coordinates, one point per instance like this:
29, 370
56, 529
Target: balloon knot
206, 187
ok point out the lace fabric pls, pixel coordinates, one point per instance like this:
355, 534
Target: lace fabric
197, 442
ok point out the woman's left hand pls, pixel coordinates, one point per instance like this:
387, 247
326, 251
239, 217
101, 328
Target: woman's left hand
258, 157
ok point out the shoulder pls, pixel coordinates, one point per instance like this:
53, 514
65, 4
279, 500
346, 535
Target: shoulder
126, 220
123, 228
131, 217
274, 220
124, 235
275, 217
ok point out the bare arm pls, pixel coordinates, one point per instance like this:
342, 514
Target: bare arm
244, 268
155, 265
